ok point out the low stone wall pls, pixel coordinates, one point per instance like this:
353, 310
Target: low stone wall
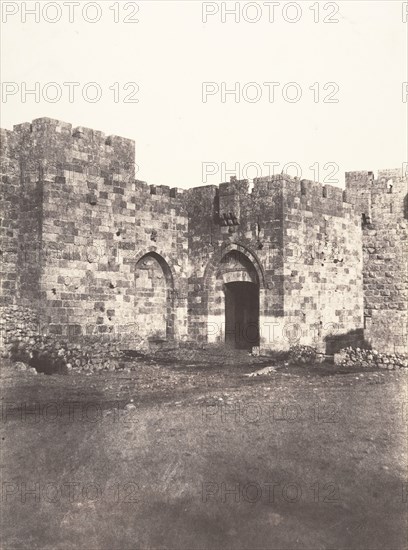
23, 340
356, 357
18, 324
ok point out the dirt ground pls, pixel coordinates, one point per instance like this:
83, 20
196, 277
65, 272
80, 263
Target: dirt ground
182, 450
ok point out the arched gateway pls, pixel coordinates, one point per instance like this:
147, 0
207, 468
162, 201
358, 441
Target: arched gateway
234, 284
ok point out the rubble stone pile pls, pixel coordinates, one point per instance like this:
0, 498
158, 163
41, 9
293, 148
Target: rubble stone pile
303, 354
368, 358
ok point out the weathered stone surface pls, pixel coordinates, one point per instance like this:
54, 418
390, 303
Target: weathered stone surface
384, 205
93, 258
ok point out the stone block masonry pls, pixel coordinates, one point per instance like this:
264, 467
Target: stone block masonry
91, 252
383, 204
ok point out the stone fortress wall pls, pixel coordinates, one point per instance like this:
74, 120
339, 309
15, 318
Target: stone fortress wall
87, 250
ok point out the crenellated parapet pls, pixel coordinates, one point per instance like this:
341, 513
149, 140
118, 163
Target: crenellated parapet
277, 191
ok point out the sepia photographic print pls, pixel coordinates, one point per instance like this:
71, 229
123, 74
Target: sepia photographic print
204, 275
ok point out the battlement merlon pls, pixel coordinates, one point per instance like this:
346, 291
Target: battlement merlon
7, 141
57, 142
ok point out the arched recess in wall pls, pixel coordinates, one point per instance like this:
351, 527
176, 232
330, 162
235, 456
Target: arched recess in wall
234, 281
154, 296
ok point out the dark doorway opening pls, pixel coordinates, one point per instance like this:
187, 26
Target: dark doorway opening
241, 315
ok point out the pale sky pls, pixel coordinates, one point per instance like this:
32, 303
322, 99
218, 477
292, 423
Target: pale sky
171, 52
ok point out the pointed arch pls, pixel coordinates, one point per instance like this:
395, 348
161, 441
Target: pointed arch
216, 260
163, 259
224, 289
154, 295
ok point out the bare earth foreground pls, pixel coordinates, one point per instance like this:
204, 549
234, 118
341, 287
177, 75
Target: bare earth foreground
183, 451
